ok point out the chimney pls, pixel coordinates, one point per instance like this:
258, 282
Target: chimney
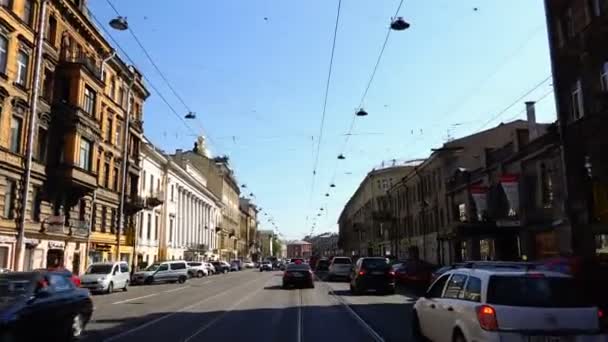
531, 115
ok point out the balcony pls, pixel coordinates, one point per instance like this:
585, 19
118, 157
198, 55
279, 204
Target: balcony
76, 177
55, 225
138, 125
79, 228
81, 61
75, 118
232, 233
155, 199
134, 203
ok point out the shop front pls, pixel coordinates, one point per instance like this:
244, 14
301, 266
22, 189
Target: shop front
100, 252
7, 250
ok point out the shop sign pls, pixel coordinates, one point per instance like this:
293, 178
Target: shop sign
99, 247
56, 244
510, 184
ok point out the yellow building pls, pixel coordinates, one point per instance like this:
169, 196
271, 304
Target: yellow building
77, 152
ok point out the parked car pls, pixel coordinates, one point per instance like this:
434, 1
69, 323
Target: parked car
221, 266
238, 264
106, 276
498, 304
298, 275
234, 267
265, 266
340, 267
210, 268
323, 265
372, 273
42, 305
65, 272
413, 273
248, 264
197, 269
162, 272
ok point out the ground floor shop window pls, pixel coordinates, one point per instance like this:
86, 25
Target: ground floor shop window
54, 258
125, 257
95, 256
32, 259
76, 263
601, 247
486, 249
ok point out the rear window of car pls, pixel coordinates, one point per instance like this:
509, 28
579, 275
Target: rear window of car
375, 263
535, 291
298, 267
342, 261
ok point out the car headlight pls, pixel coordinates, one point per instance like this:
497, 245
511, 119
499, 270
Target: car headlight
101, 279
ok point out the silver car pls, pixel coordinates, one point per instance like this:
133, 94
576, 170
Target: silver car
106, 276
162, 272
339, 267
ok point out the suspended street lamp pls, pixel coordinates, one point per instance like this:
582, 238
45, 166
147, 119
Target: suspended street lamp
243, 186
326, 195
332, 185
341, 156
190, 115
321, 209
119, 23
361, 112
399, 24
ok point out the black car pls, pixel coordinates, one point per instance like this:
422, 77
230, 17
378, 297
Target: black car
46, 301
372, 274
220, 267
298, 275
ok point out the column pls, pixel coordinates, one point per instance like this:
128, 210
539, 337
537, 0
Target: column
197, 228
178, 219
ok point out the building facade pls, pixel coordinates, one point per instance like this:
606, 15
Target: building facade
81, 107
577, 35
299, 249
248, 228
325, 245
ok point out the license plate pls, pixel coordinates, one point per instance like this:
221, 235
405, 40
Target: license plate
548, 339
377, 272
298, 275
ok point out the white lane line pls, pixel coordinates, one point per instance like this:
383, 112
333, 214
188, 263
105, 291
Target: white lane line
177, 289
223, 314
136, 298
299, 339
352, 312
161, 318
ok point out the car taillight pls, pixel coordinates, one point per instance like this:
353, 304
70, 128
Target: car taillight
601, 317
391, 273
487, 317
361, 273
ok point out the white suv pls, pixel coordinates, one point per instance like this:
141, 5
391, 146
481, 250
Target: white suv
468, 304
339, 267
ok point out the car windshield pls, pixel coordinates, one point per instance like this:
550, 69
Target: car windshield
535, 291
16, 284
375, 263
341, 261
153, 267
99, 269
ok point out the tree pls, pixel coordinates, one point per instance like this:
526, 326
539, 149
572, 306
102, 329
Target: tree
276, 246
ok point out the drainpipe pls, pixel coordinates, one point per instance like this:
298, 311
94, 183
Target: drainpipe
103, 65
33, 116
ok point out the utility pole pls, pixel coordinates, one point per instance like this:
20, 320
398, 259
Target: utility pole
33, 116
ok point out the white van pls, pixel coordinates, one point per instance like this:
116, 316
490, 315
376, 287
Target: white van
106, 276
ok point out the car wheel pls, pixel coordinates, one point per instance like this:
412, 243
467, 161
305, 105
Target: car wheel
416, 331
126, 288
110, 287
181, 280
200, 274
458, 337
76, 327
261, 270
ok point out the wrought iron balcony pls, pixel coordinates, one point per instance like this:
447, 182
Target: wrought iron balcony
155, 199
82, 60
79, 228
55, 225
134, 203
76, 177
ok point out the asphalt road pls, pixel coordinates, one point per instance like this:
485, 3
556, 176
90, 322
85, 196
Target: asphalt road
248, 306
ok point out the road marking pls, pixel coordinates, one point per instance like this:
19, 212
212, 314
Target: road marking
136, 298
177, 289
161, 318
352, 312
223, 314
299, 339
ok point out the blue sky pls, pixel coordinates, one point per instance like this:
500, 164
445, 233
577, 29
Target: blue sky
258, 85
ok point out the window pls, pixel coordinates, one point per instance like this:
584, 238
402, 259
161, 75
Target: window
577, 101
85, 154
104, 214
112, 87
106, 175
93, 217
51, 33
15, 143
604, 77
455, 286
170, 230
113, 220
41, 145
597, 7
163, 267
47, 85
149, 231
36, 202
90, 97
82, 209
3, 53
568, 22
117, 134
28, 12
437, 288
172, 188
59, 283
156, 227
109, 124
151, 184
6, 3
546, 183
472, 291
143, 181
178, 266
9, 198
116, 178
121, 95
23, 61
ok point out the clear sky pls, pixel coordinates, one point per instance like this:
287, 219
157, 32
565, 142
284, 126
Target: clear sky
254, 71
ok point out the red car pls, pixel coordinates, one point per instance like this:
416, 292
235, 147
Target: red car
413, 273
